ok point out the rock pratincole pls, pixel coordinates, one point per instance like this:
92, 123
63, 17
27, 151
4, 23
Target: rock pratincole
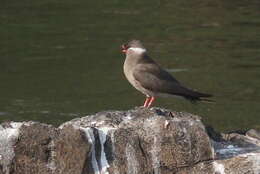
150, 79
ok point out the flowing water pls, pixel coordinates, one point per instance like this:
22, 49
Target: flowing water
61, 59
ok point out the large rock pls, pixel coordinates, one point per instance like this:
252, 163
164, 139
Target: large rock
145, 141
139, 141
35, 148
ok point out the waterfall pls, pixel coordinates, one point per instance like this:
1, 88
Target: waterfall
100, 165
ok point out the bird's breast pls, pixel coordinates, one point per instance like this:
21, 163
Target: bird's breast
129, 71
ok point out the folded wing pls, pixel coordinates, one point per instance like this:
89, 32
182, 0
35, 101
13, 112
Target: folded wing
154, 78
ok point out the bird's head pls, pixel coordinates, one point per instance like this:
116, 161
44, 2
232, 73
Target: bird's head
134, 45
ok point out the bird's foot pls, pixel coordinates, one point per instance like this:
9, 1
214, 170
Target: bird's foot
151, 101
148, 102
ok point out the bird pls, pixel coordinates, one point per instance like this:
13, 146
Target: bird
151, 79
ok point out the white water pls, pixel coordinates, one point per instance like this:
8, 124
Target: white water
100, 166
7, 139
91, 139
102, 137
219, 168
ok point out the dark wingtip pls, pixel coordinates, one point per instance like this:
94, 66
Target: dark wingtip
202, 97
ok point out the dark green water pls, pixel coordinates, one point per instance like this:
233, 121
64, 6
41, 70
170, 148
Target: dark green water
61, 59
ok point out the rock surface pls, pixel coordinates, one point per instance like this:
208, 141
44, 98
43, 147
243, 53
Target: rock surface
139, 141
36, 148
145, 141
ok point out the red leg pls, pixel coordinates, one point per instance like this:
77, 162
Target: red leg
147, 100
150, 102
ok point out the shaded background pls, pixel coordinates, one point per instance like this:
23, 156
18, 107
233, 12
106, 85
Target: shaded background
61, 59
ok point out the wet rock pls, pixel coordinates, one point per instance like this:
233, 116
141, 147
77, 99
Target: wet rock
32, 147
33, 152
70, 151
253, 133
9, 133
238, 154
213, 134
145, 141
138, 141
247, 163
241, 140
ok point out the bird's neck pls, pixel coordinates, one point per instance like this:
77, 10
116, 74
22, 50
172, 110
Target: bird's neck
137, 50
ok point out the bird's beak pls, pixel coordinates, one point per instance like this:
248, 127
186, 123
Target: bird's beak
124, 48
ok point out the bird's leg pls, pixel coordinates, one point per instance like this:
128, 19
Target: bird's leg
147, 101
150, 102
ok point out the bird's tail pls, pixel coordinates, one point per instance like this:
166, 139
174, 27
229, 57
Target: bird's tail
195, 96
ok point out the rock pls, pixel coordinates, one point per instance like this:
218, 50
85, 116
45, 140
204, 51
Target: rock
237, 154
8, 136
70, 151
214, 135
241, 140
253, 133
33, 149
145, 141
39, 148
248, 163
138, 141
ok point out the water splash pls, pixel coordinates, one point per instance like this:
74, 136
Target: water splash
7, 139
219, 168
89, 133
102, 132
100, 166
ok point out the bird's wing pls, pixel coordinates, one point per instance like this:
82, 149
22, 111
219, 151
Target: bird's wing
153, 78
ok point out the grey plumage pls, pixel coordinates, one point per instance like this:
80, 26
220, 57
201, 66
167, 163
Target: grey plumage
149, 78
